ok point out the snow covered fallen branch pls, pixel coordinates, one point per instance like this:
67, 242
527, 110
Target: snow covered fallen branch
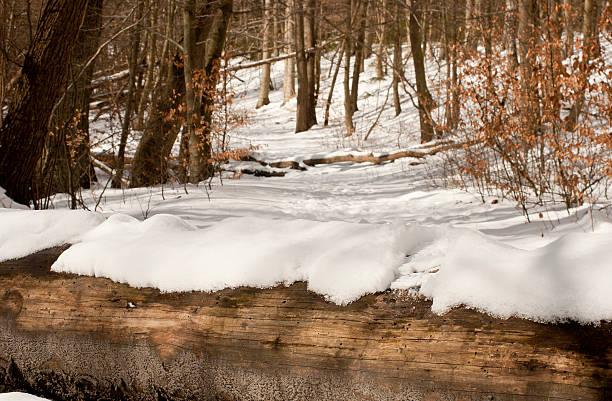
360, 157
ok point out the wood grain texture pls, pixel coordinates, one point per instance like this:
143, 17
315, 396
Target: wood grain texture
73, 337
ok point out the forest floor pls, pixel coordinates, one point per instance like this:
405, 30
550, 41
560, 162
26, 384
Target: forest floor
346, 228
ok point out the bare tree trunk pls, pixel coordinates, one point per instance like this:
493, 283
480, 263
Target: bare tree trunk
591, 49
192, 104
151, 159
397, 58
425, 102
358, 48
348, 104
526, 37
569, 28
469, 27
303, 101
23, 132
382, 38
289, 75
310, 35
129, 106
264, 83
511, 32
151, 61
333, 85
67, 163
451, 41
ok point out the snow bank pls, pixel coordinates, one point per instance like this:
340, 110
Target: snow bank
342, 261
20, 397
570, 278
6, 202
23, 232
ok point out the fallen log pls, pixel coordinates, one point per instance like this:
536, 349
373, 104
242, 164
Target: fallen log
73, 337
425, 151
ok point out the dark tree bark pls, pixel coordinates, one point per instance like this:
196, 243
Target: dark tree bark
424, 97
161, 131
310, 35
67, 165
358, 48
397, 59
129, 106
303, 120
38, 87
348, 104
264, 85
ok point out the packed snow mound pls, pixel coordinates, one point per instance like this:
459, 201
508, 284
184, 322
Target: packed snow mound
23, 232
20, 397
6, 202
568, 279
342, 261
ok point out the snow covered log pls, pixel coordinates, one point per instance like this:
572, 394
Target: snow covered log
75, 337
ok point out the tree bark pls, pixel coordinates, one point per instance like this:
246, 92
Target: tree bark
129, 104
264, 83
64, 335
67, 163
303, 120
348, 104
382, 38
397, 58
45, 66
151, 159
151, 62
310, 36
289, 74
425, 102
358, 49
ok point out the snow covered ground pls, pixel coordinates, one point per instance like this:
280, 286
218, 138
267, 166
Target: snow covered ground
348, 229
19, 397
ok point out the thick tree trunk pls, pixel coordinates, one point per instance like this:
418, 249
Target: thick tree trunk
192, 102
67, 164
289, 74
425, 102
45, 66
151, 159
264, 83
73, 337
303, 120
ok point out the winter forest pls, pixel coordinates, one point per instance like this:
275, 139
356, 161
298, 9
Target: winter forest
306, 199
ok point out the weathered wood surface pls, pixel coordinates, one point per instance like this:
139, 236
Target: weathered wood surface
71, 337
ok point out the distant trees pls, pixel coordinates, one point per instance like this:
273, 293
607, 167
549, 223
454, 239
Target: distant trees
156, 67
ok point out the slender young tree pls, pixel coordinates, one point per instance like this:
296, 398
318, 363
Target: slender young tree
425, 101
268, 31
131, 95
289, 74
